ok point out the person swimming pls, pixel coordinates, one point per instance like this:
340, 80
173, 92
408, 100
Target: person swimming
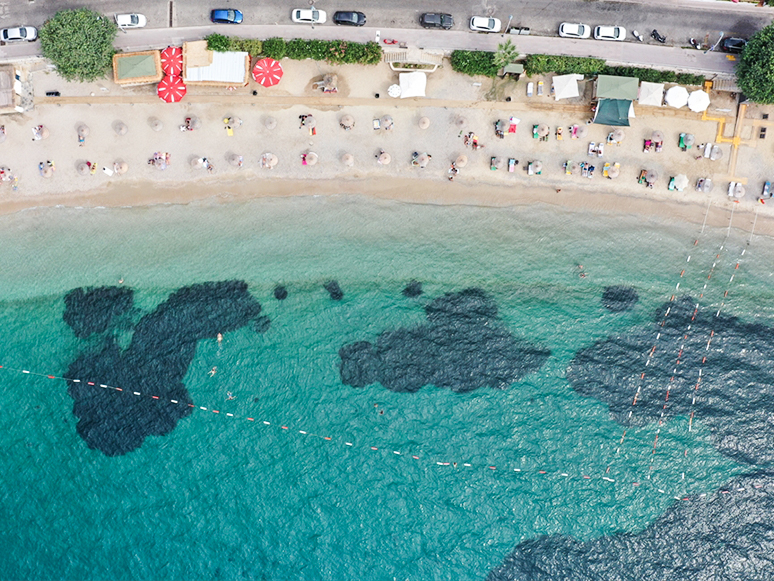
213, 371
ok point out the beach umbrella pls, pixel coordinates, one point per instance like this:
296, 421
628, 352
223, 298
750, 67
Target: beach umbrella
698, 101
499, 163
543, 130
575, 168
83, 168
677, 97
706, 186
394, 91
537, 166
120, 128
717, 153
172, 61
423, 159
47, 171
160, 164
44, 132
689, 139
618, 135
120, 167
738, 191
461, 161
657, 137
387, 123
197, 162
311, 158
582, 132
348, 121
273, 160
171, 89
195, 122
461, 121
348, 159
681, 181
235, 160
424, 122
267, 72
651, 176
613, 172
384, 158
310, 122
83, 131
155, 124
270, 123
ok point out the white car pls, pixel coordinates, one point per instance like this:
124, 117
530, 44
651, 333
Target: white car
308, 16
571, 30
610, 33
18, 34
485, 24
131, 20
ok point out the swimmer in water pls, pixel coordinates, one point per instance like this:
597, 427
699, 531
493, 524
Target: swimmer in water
229, 396
120, 281
213, 371
220, 338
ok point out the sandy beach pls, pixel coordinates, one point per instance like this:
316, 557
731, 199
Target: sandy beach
456, 106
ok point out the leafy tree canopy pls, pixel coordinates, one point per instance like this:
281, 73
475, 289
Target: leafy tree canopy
755, 70
80, 43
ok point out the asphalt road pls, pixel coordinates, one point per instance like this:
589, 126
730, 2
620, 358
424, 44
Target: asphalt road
677, 19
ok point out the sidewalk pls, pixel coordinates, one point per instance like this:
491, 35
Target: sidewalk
629, 53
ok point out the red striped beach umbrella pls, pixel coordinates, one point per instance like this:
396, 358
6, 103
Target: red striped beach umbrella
171, 89
172, 60
267, 72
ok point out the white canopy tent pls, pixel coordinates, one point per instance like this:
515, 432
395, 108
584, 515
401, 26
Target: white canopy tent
566, 86
651, 94
412, 84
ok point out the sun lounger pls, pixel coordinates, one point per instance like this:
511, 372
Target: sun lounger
530, 86
568, 167
535, 132
492, 165
511, 165
592, 149
559, 136
591, 169
514, 124
610, 138
377, 124
529, 169
682, 142
659, 145
605, 168
707, 150
646, 147
540, 88
600, 149
574, 132
671, 185
641, 179
766, 193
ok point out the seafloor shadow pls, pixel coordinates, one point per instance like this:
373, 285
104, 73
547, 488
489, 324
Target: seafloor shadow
463, 346
155, 363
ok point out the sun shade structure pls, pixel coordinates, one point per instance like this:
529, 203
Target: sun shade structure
172, 61
615, 112
155, 124
424, 122
270, 123
137, 68
657, 136
651, 176
651, 94
215, 69
120, 128
171, 89
681, 182
611, 87
412, 84
698, 101
613, 172
618, 135
566, 86
384, 158
461, 161
543, 130
677, 97
311, 158
267, 72
348, 159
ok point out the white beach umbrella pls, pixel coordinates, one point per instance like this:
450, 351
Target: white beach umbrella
83, 168
575, 168
120, 128
657, 137
235, 160
270, 123
423, 160
348, 121
384, 158
582, 131
311, 158
499, 162
461, 161
613, 172
120, 167
348, 159
681, 181
537, 166
269, 160
387, 123
698, 101
706, 185
155, 124
716, 153
424, 122
310, 122
677, 97
689, 139
618, 135
44, 132
651, 176
47, 171
83, 130
543, 130
739, 190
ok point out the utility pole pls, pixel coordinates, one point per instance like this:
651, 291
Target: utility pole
507, 26
714, 46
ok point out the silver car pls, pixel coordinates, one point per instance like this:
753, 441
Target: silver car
572, 30
19, 33
610, 33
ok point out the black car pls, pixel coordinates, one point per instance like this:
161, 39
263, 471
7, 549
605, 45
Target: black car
734, 45
436, 20
349, 18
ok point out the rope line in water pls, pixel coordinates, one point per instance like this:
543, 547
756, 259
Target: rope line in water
433, 463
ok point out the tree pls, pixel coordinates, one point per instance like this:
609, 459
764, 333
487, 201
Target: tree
80, 43
506, 54
755, 70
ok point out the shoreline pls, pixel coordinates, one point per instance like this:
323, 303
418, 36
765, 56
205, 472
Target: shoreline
149, 193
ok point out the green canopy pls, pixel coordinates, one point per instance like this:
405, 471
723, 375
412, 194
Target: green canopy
131, 67
610, 87
613, 112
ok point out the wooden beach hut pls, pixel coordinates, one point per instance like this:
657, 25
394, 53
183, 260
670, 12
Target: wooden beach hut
215, 69
137, 68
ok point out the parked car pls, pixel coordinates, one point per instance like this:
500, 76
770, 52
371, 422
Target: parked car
733, 45
571, 30
348, 18
226, 16
131, 20
308, 16
485, 24
436, 20
19, 33
610, 33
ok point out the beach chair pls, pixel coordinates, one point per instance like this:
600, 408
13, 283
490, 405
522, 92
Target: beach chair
229, 131
600, 149
530, 86
540, 88
591, 169
584, 169
574, 132
682, 142
646, 146
377, 124
535, 132
671, 185
592, 149
766, 193
559, 136
641, 179
529, 169
568, 167
708, 150
605, 168
659, 145
492, 165
511, 164
610, 138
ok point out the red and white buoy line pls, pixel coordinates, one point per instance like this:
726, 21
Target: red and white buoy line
413, 457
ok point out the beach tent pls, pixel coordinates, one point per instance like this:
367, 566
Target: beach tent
610, 87
412, 84
615, 112
137, 68
566, 86
651, 94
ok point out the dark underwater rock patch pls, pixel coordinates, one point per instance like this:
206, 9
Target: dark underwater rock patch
280, 293
619, 298
463, 346
719, 536
735, 399
91, 310
334, 290
155, 363
262, 324
413, 289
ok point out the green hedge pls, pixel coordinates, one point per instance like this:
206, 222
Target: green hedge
538, 64
220, 43
474, 62
334, 51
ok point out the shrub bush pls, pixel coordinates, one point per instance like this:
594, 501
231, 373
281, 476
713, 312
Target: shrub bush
220, 43
474, 62
334, 51
275, 48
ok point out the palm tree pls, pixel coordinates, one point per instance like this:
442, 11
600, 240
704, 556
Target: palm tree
506, 53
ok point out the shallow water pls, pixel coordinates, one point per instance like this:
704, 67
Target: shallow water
226, 497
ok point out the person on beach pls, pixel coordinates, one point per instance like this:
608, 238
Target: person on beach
81, 140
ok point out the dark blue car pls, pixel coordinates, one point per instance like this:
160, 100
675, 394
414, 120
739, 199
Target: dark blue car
226, 16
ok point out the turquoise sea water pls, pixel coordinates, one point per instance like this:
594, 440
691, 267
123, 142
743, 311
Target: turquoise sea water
223, 497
